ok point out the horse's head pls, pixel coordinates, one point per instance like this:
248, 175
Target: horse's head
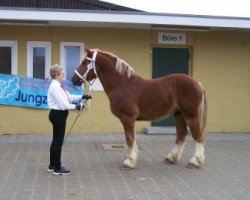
86, 71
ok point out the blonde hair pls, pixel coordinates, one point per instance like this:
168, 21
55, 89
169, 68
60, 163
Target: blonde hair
55, 70
123, 68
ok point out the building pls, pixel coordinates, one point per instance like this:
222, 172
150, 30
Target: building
214, 50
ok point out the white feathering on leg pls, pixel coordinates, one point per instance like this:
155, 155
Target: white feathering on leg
176, 152
198, 157
131, 159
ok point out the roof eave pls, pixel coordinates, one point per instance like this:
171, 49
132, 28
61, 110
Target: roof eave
117, 18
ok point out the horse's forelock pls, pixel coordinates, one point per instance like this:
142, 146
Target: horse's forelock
93, 50
84, 56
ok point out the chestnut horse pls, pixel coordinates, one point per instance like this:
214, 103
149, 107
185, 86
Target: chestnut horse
134, 98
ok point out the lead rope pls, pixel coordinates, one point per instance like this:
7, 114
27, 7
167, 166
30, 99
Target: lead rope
80, 111
90, 89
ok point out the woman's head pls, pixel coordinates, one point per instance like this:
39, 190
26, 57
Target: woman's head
56, 71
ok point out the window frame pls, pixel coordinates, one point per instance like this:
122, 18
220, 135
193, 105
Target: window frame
30, 46
14, 52
63, 53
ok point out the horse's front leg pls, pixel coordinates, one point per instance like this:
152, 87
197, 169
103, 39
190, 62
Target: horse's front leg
131, 160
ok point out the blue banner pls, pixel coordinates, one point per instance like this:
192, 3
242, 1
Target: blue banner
29, 92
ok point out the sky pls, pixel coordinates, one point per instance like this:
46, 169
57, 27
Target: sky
234, 8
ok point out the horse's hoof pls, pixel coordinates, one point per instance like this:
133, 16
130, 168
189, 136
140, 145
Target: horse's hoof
191, 166
168, 161
125, 167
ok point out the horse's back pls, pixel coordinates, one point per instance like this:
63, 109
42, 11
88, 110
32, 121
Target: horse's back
177, 84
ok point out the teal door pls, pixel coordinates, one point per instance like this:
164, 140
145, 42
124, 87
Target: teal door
169, 61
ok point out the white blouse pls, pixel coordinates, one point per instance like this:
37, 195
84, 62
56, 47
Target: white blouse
60, 99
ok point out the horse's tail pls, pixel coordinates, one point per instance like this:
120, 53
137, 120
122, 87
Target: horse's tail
203, 114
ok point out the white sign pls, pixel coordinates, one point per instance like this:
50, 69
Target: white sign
171, 38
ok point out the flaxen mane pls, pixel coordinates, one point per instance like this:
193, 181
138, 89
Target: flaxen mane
121, 66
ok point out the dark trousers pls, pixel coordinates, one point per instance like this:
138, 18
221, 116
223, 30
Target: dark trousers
58, 119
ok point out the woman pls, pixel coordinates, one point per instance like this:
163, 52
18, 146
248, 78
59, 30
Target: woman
59, 102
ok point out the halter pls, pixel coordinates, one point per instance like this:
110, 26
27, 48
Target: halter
90, 66
83, 77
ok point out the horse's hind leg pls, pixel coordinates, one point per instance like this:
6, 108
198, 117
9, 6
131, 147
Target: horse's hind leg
198, 156
197, 127
181, 132
131, 160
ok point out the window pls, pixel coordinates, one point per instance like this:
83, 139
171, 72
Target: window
70, 57
8, 57
38, 59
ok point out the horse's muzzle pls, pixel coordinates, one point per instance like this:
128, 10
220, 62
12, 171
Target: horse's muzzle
79, 82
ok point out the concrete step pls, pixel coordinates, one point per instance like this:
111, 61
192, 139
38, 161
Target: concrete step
155, 130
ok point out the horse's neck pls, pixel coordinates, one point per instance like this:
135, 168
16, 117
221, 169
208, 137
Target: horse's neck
112, 80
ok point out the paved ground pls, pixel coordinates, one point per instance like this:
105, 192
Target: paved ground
96, 173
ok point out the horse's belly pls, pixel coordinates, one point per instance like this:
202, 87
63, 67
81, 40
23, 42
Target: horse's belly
153, 114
